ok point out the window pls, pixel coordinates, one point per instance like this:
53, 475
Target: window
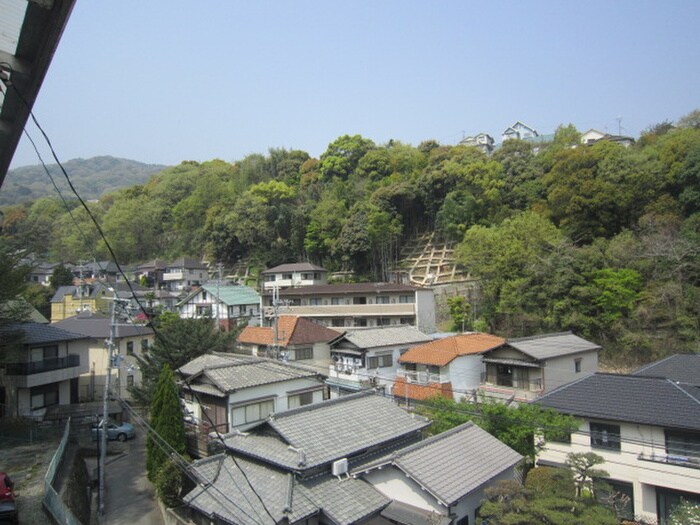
204, 311
337, 322
359, 321
336, 300
359, 300
383, 321
204, 296
287, 276
406, 321
303, 353
44, 353
300, 400
129, 380
269, 278
144, 345
406, 299
315, 301
605, 436
380, 361
382, 299
577, 365
43, 396
252, 412
682, 445
129, 348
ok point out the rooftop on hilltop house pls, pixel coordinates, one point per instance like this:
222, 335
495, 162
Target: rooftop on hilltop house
446, 473
525, 368
184, 273
294, 338
682, 368
450, 366
231, 305
519, 130
647, 429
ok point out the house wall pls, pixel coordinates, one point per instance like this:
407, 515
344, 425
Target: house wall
625, 465
296, 280
70, 306
394, 484
465, 374
507, 352
218, 309
561, 370
425, 311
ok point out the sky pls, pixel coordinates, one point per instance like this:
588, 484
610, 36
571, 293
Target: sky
162, 82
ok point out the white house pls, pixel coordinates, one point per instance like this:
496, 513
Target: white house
184, 273
43, 372
293, 275
231, 305
483, 141
647, 429
369, 357
443, 476
591, 137
519, 130
450, 366
357, 305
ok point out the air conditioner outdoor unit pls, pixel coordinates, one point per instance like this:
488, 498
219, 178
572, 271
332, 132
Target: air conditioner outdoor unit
340, 467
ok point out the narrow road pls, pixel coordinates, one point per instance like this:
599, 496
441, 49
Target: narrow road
130, 498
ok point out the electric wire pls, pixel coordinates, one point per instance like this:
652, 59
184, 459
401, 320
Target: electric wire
126, 279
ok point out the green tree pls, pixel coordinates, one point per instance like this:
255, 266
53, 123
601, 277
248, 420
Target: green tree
61, 276
460, 311
167, 432
343, 155
587, 476
178, 341
685, 513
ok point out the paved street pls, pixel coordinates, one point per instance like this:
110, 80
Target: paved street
130, 497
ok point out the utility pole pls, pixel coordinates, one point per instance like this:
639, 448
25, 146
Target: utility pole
218, 300
105, 405
275, 302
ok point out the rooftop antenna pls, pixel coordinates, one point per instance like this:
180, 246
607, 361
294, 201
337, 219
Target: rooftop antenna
619, 124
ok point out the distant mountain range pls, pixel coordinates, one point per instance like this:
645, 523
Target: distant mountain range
91, 177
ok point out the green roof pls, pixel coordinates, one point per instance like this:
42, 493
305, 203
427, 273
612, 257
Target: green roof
234, 295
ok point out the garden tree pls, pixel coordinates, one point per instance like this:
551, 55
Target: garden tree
551, 481
685, 513
514, 426
343, 155
167, 433
61, 276
587, 478
178, 341
39, 296
168, 483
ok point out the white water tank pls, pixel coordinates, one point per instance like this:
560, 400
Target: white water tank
340, 467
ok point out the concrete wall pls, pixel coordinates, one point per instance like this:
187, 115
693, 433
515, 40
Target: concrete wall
465, 374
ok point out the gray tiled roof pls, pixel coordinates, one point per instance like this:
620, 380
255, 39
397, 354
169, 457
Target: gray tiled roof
684, 368
207, 361
552, 345
635, 399
232, 498
452, 464
295, 267
97, 326
385, 336
245, 375
330, 430
39, 333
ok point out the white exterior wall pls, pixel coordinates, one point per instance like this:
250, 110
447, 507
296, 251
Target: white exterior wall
559, 371
625, 465
465, 374
219, 310
425, 311
296, 280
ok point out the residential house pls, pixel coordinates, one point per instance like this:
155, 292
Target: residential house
130, 341
450, 366
42, 371
71, 300
482, 141
357, 305
297, 464
523, 369
184, 273
151, 272
519, 130
647, 429
369, 357
591, 137
293, 275
293, 339
231, 305
443, 476
41, 272
682, 368
233, 391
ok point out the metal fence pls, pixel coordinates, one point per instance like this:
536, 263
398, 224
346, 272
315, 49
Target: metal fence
52, 501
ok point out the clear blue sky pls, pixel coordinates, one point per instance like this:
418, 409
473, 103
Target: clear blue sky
162, 82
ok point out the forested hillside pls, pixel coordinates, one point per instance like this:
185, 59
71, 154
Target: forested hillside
602, 240
92, 178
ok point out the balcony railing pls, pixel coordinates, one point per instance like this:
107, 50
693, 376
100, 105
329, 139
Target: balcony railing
422, 378
671, 459
47, 365
508, 381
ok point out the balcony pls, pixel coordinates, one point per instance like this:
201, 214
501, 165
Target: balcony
353, 310
422, 378
174, 276
38, 367
671, 459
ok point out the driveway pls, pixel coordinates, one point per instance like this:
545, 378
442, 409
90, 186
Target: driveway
129, 496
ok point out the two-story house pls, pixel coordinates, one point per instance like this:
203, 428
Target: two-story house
85, 297
525, 368
369, 357
234, 391
151, 272
293, 275
42, 371
357, 305
647, 429
519, 130
483, 141
231, 305
130, 341
292, 339
184, 273
450, 367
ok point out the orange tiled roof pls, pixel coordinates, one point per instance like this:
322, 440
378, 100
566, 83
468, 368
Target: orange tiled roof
402, 389
441, 351
290, 330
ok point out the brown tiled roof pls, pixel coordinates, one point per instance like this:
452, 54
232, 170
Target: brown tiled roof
420, 392
441, 351
291, 330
